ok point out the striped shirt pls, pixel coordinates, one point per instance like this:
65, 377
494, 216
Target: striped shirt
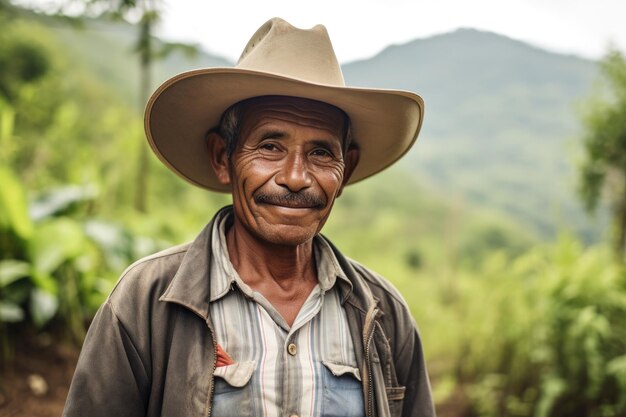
307, 369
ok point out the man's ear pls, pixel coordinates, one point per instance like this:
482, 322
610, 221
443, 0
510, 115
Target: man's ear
218, 157
351, 161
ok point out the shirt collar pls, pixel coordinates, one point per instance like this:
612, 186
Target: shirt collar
224, 276
191, 285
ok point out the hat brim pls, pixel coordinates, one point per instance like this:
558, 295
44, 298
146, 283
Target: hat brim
385, 123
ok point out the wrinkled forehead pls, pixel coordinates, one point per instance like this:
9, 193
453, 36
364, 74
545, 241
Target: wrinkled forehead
297, 110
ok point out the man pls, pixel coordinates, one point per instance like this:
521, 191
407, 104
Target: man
261, 315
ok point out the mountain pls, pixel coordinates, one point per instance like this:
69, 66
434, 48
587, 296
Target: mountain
451, 71
500, 127
107, 49
501, 121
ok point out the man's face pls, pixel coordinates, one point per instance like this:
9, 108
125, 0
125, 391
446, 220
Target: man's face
288, 168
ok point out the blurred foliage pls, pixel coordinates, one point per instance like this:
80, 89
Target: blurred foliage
541, 334
145, 16
48, 267
65, 230
604, 164
520, 328
397, 230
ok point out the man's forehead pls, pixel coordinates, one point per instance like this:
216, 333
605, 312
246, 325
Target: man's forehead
296, 109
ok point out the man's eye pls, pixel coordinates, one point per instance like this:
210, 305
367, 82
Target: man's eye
321, 152
268, 147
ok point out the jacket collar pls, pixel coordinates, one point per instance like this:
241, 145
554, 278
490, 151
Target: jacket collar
359, 295
190, 286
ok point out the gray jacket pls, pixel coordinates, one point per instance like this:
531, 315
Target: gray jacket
150, 350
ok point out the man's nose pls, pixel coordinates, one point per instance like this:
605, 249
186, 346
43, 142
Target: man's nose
294, 173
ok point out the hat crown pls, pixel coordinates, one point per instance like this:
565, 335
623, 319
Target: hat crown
280, 48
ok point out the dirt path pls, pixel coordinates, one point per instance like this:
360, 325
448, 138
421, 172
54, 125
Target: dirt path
36, 381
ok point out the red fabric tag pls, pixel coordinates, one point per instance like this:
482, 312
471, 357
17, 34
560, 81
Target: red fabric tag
222, 357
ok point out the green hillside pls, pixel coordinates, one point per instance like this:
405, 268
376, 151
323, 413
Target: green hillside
412, 221
500, 122
470, 74
107, 50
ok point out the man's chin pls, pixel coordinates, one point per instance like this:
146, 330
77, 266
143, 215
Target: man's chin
286, 234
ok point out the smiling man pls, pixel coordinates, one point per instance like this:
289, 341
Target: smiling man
261, 315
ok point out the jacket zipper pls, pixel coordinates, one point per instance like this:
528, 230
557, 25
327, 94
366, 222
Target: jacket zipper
210, 398
209, 405
368, 334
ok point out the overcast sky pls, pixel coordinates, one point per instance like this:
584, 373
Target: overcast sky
361, 28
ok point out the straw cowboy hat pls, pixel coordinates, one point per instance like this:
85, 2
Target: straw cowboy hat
279, 60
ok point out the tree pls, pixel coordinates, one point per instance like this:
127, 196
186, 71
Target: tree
145, 14
148, 50
603, 170
149, 16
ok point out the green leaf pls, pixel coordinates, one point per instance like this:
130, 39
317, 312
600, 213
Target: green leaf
11, 270
55, 242
617, 367
45, 282
59, 200
115, 242
10, 312
13, 206
43, 306
552, 388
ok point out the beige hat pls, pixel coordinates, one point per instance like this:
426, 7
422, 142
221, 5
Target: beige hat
279, 60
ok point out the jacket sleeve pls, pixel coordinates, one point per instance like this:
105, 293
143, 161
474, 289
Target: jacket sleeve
110, 377
411, 372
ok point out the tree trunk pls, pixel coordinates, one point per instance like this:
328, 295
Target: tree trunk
145, 54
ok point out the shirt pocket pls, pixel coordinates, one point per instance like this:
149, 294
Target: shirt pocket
343, 391
232, 391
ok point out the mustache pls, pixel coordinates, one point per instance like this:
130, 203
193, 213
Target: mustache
300, 199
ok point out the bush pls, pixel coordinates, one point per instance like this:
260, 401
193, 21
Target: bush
56, 263
543, 334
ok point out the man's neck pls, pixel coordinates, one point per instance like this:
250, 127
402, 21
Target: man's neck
258, 262
284, 275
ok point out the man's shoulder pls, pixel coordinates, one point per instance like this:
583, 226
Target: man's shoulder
170, 256
382, 289
151, 273
396, 317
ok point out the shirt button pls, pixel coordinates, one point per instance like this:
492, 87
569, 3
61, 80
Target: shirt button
292, 350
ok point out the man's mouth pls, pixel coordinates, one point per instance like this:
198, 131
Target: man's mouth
292, 200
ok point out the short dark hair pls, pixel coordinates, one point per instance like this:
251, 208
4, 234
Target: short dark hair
229, 128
